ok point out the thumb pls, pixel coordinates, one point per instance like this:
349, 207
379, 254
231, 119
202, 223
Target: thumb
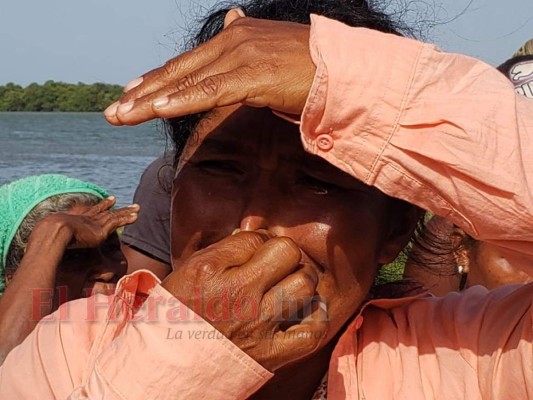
233, 15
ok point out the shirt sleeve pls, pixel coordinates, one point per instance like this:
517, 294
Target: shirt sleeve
157, 349
476, 344
442, 131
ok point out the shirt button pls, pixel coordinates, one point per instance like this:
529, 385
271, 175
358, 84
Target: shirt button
324, 142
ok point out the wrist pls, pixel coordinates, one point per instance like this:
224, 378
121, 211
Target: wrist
53, 228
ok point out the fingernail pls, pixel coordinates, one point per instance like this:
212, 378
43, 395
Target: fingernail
160, 102
125, 108
240, 12
235, 232
112, 109
133, 84
111, 198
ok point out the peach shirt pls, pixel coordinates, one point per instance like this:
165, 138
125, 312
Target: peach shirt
442, 131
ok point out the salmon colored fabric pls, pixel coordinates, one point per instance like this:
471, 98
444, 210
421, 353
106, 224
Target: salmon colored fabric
140, 344
442, 131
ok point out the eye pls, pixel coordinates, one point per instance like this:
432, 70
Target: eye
316, 185
220, 167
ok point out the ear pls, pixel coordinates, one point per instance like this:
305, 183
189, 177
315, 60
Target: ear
399, 233
461, 252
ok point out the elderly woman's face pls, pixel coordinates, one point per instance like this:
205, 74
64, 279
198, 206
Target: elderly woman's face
91, 270
252, 173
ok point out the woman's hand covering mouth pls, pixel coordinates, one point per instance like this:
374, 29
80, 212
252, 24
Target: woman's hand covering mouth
248, 286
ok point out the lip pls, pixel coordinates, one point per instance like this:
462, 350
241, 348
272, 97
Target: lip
103, 288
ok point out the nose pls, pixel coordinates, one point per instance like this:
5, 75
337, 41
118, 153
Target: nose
261, 205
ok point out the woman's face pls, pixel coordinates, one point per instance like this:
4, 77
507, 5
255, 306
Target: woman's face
252, 173
89, 271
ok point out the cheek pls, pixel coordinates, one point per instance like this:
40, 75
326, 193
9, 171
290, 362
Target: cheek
347, 244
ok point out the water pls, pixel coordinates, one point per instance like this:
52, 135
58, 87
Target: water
80, 145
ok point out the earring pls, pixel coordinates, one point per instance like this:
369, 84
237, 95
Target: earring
464, 277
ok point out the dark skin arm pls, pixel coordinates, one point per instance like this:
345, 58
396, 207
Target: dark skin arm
138, 260
28, 295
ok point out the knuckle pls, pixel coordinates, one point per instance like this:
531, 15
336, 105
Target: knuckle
169, 68
305, 283
287, 247
239, 29
210, 86
186, 82
252, 239
203, 268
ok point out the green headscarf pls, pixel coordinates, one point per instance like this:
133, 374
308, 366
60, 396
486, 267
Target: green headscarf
18, 198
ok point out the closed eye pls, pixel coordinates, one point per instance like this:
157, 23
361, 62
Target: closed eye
317, 186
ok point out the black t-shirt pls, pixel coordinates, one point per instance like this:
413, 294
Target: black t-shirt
151, 232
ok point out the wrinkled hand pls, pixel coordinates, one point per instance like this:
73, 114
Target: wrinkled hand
255, 62
248, 286
89, 227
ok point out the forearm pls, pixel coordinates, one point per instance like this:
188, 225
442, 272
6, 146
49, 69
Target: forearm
442, 131
29, 294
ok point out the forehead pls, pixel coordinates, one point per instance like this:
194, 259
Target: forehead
245, 130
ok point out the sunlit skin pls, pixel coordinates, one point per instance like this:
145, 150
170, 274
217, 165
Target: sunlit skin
491, 267
483, 263
251, 172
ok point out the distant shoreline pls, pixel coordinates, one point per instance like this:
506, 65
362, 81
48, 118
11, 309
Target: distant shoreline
58, 97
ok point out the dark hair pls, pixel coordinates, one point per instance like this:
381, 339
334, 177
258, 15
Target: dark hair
357, 13
432, 246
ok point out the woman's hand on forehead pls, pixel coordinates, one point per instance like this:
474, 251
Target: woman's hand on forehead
254, 62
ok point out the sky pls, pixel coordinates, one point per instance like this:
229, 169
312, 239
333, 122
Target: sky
114, 41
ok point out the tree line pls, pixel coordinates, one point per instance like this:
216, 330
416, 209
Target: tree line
58, 96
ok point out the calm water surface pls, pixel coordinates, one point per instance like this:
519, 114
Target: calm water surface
80, 145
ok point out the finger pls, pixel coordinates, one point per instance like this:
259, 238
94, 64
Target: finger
272, 262
233, 15
115, 219
289, 302
102, 206
231, 251
214, 91
302, 340
172, 71
141, 110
